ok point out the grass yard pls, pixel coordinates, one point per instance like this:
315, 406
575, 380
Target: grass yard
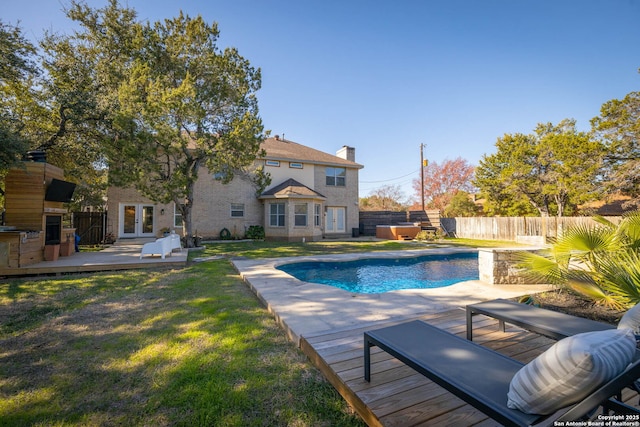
190, 347
153, 348
260, 249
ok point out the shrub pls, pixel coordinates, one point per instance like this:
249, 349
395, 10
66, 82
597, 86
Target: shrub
427, 235
601, 261
255, 232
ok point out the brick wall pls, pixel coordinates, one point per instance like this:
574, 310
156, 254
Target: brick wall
212, 208
337, 196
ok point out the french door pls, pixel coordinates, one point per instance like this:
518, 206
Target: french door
335, 220
136, 220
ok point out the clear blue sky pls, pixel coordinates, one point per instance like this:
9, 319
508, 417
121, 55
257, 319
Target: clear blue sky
388, 76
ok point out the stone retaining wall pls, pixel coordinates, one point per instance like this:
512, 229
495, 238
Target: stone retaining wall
498, 267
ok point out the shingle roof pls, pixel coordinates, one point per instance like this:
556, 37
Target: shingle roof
615, 205
615, 208
291, 189
279, 149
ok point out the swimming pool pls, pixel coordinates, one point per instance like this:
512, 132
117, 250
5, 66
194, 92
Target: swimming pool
378, 275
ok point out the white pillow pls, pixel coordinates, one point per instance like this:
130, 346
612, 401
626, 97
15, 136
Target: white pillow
631, 319
570, 370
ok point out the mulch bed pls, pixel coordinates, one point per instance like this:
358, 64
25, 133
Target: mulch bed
571, 303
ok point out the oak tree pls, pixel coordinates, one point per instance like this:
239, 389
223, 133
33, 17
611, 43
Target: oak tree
45, 106
167, 101
553, 170
463, 205
618, 126
17, 70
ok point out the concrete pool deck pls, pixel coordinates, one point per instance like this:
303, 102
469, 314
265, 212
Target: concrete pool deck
304, 308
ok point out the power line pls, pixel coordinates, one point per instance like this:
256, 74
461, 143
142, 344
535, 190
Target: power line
407, 181
391, 179
367, 189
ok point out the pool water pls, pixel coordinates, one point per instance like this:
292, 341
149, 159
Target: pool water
378, 275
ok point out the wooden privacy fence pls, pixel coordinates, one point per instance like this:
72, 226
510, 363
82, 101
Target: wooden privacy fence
487, 228
90, 227
508, 228
370, 219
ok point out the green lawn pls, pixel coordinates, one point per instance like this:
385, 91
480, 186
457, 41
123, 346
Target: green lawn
259, 249
158, 348
153, 348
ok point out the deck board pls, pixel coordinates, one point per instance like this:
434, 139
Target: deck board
399, 396
123, 256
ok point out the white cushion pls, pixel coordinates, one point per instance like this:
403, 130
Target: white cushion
631, 319
570, 370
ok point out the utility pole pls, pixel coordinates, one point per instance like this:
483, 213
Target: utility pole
422, 165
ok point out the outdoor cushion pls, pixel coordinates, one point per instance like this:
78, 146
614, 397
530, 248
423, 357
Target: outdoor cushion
570, 370
631, 319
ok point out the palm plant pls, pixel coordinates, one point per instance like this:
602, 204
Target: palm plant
601, 261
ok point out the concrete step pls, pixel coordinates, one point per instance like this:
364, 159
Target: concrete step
133, 241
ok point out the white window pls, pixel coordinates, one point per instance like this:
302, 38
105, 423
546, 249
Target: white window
237, 210
274, 163
295, 165
276, 214
300, 212
336, 176
177, 217
316, 215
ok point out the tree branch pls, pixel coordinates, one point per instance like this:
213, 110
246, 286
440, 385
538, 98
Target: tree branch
62, 130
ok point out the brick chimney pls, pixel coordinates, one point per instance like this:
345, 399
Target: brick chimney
347, 153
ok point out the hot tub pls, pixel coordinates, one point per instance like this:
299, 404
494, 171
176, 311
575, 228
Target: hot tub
397, 232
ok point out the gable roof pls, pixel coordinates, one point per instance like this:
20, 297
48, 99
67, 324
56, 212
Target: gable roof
280, 149
291, 189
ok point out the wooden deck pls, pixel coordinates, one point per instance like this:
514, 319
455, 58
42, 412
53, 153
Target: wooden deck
121, 256
399, 396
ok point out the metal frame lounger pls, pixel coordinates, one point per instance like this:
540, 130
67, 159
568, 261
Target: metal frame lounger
545, 322
478, 375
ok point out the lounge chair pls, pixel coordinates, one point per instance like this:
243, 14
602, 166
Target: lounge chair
176, 243
549, 323
160, 247
480, 376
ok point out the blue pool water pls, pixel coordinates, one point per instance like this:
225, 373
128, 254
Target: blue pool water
377, 275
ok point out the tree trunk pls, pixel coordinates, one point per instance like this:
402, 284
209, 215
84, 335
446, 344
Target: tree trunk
543, 210
190, 237
561, 200
189, 241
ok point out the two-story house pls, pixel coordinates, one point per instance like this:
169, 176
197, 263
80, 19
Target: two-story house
312, 195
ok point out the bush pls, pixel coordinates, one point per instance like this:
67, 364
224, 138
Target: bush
427, 235
255, 232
